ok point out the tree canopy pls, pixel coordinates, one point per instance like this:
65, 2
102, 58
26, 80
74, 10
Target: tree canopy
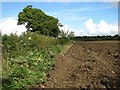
36, 20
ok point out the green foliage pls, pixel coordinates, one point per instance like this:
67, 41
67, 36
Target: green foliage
96, 38
37, 20
64, 40
28, 58
67, 34
24, 43
71, 35
29, 70
66, 37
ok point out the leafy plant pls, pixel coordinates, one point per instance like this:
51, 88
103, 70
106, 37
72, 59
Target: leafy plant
29, 61
36, 20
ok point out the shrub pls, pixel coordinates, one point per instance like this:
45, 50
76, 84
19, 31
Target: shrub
27, 59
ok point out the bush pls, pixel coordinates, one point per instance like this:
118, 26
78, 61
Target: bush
27, 59
14, 45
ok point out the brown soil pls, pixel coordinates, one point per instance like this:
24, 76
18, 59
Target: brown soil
87, 65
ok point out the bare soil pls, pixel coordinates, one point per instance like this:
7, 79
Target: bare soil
87, 65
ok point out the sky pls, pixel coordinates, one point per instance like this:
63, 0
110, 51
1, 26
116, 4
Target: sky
83, 18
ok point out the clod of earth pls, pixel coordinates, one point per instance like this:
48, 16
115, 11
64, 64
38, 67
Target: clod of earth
87, 65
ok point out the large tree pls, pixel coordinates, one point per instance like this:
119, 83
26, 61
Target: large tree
36, 20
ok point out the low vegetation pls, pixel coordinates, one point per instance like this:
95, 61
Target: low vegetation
97, 38
28, 58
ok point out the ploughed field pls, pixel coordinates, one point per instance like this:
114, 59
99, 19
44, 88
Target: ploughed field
87, 65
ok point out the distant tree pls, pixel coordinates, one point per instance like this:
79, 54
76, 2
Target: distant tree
116, 35
71, 35
36, 20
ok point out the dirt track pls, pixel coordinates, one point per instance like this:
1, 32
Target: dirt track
87, 65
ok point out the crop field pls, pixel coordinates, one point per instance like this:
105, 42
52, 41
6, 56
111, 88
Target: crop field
87, 65
61, 47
